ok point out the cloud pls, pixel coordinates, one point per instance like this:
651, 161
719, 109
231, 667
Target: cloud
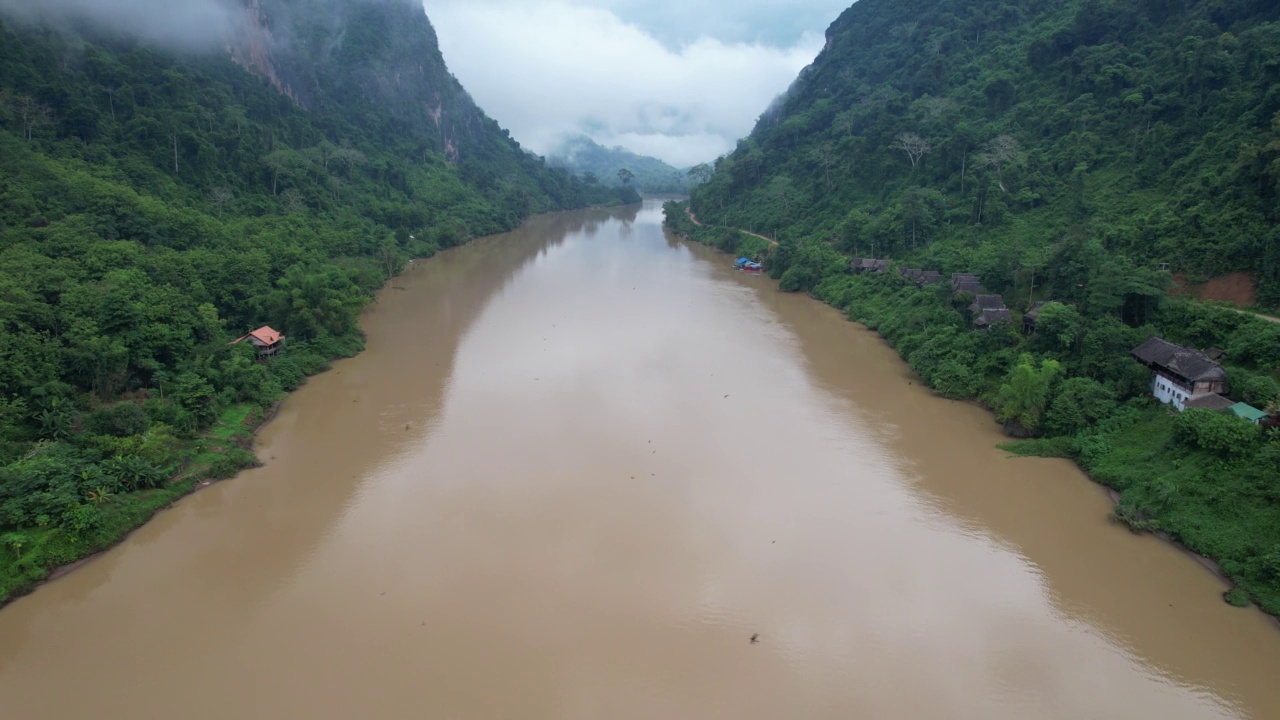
174, 24
553, 68
768, 22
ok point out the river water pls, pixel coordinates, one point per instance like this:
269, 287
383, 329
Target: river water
577, 469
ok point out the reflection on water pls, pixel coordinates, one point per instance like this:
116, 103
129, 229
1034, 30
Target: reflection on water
578, 467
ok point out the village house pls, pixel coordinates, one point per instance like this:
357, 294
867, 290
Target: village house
912, 274
861, 265
929, 277
267, 340
1032, 316
993, 316
1179, 374
988, 310
966, 284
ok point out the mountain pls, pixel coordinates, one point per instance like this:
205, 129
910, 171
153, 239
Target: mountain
985, 136
582, 156
167, 188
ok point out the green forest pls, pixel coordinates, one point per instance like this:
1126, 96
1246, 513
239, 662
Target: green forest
154, 207
1077, 153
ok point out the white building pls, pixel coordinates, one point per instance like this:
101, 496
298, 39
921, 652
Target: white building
1179, 374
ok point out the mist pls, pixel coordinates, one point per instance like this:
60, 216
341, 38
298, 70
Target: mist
171, 24
547, 69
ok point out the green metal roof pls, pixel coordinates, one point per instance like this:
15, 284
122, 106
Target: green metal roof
1248, 412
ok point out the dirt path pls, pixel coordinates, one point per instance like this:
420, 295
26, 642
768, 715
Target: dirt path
1268, 318
772, 243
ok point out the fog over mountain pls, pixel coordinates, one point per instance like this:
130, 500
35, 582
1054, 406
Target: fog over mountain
184, 24
680, 81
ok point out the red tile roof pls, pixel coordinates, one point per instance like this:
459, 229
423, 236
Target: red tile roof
266, 335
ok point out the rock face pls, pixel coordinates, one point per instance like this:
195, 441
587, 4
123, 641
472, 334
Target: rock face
378, 61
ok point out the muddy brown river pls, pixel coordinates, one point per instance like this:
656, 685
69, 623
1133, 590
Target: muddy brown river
578, 468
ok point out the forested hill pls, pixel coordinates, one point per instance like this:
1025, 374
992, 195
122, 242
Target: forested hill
584, 157
988, 136
156, 205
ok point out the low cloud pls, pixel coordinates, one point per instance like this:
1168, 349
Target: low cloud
549, 69
173, 24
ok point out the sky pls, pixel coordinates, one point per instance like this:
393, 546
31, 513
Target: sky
681, 80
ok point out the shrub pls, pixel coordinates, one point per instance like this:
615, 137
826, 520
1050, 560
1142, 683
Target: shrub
1080, 403
1260, 391
119, 420
1219, 433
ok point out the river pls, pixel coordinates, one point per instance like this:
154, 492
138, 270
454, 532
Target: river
577, 469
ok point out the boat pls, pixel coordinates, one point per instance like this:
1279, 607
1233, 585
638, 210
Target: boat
749, 266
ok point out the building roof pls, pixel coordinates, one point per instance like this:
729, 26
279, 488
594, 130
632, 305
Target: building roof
1248, 412
970, 286
879, 265
1034, 313
265, 335
987, 302
911, 273
993, 317
1212, 401
1190, 364
929, 277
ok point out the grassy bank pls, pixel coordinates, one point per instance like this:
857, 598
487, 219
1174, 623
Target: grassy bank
32, 554
1209, 481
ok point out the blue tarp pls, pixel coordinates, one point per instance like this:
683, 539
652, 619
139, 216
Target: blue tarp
743, 261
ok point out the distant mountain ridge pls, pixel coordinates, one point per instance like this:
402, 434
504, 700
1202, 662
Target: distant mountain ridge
581, 155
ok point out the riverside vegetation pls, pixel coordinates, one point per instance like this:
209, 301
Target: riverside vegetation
1069, 152
155, 206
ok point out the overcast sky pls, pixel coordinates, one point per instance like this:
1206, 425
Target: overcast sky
681, 80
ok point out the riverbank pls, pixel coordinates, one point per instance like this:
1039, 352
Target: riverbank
50, 552
1221, 503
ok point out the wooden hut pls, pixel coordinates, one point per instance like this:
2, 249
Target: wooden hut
966, 284
929, 277
266, 339
1031, 316
992, 316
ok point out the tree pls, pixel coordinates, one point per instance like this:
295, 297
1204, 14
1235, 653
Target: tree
626, 176
1024, 396
32, 114
782, 188
825, 156
219, 197
590, 178
293, 201
922, 209
913, 145
1002, 153
700, 173
1058, 327
1080, 402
